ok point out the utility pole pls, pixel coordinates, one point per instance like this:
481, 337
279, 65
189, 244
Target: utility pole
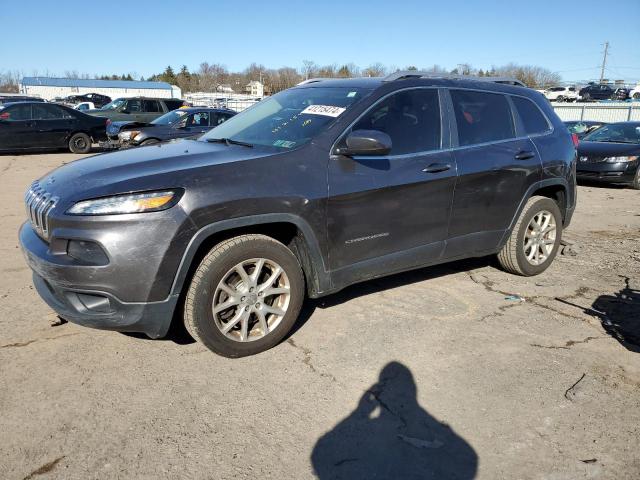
604, 60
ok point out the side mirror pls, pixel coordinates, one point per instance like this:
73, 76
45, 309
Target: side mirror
366, 142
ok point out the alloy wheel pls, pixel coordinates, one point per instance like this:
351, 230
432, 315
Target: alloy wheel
539, 238
251, 300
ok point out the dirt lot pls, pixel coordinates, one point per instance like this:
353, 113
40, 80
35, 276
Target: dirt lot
461, 370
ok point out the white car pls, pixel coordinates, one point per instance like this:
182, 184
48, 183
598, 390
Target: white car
635, 93
561, 94
84, 106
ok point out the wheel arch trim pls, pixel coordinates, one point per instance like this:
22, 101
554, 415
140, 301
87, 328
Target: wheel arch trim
548, 182
320, 276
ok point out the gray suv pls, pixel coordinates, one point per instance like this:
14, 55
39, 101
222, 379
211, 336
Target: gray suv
137, 109
321, 186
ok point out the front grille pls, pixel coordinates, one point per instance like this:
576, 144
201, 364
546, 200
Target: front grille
585, 159
39, 204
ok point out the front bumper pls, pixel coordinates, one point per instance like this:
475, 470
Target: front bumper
607, 172
88, 295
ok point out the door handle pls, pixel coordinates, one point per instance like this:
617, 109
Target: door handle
524, 155
437, 167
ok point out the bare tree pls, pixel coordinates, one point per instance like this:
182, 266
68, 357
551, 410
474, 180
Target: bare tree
375, 70
531, 75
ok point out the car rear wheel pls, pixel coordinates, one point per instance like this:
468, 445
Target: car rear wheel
560, 98
535, 239
80, 143
636, 96
245, 296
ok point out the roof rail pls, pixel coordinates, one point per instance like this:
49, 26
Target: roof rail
402, 74
313, 80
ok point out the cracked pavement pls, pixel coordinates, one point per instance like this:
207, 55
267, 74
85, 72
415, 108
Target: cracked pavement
508, 377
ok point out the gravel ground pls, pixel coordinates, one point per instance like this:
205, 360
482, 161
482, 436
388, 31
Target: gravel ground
457, 371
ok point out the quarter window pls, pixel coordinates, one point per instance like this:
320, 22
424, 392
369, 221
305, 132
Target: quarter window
411, 118
531, 116
134, 105
481, 117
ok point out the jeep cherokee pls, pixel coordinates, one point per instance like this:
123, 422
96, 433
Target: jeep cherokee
321, 186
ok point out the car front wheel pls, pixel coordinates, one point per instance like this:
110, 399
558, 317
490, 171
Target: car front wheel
245, 296
535, 239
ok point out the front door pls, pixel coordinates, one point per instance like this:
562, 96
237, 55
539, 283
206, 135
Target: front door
17, 129
392, 212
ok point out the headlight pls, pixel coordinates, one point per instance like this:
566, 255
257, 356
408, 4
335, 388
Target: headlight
131, 203
129, 135
620, 159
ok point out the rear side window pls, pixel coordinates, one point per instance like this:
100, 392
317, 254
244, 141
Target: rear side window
134, 105
173, 104
531, 116
49, 112
482, 117
411, 118
151, 106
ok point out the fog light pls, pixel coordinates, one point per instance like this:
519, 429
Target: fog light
89, 253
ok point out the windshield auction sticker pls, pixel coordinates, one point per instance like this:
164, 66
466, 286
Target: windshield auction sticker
326, 110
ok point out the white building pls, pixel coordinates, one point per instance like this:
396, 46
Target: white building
255, 88
49, 88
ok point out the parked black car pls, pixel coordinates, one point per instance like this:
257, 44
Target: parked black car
596, 92
621, 93
181, 123
37, 126
137, 109
611, 154
583, 127
97, 99
5, 100
320, 186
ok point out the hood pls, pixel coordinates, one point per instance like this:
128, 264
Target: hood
607, 149
165, 165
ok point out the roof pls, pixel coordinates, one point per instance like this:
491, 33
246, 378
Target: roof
92, 83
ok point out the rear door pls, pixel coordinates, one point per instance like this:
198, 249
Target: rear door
53, 125
496, 165
17, 129
393, 210
151, 109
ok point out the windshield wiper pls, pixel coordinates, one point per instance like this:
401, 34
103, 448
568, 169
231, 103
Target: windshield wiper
229, 141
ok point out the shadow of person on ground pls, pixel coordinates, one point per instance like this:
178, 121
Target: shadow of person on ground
619, 315
390, 436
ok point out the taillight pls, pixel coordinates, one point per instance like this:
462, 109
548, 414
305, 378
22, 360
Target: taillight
574, 137
109, 122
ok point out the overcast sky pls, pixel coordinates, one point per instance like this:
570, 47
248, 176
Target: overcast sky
144, 36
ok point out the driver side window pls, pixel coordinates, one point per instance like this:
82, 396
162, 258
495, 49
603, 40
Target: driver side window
411, 118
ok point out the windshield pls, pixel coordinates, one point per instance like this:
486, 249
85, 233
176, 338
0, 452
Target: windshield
288, 119
617, 133
169, 118
118, 102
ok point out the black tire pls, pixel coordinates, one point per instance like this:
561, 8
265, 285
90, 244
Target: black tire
149, 141
636, 180
80, 143
586, 97
198, 312
512, 257
560, 99
636, 96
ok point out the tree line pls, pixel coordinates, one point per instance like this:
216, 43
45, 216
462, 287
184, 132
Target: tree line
216, 77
